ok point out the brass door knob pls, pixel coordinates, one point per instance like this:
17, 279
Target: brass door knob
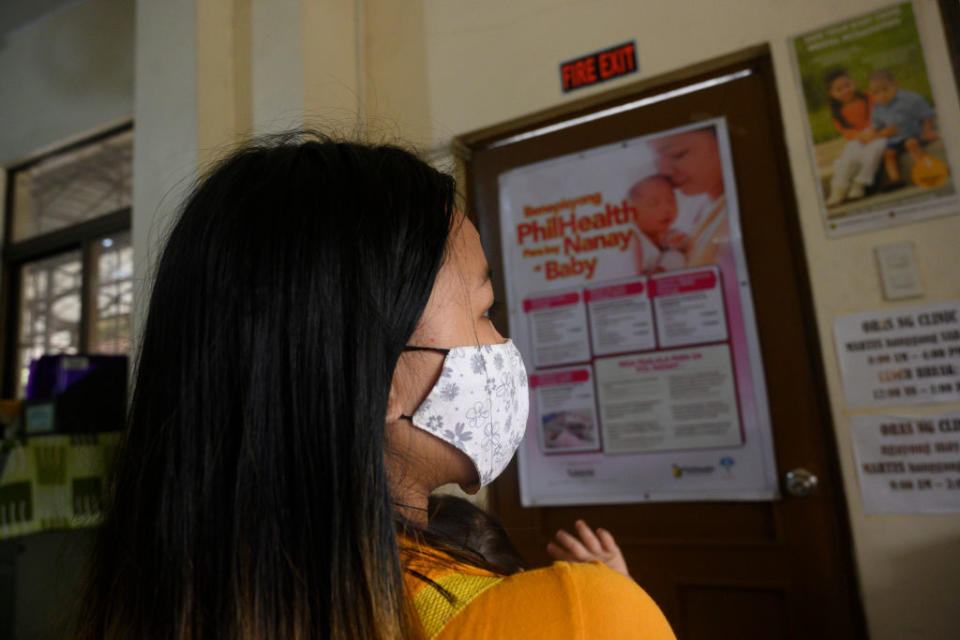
801, 483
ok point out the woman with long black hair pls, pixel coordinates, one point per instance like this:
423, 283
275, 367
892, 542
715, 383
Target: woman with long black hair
317, 358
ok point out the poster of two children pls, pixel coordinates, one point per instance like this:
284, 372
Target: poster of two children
878, 153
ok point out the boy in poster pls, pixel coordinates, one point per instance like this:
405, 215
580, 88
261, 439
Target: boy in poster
904, 118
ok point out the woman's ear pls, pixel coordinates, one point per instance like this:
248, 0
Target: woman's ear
400, 402
394, 402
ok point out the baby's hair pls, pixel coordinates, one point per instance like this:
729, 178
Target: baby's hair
654, 178
461, 523
882, 75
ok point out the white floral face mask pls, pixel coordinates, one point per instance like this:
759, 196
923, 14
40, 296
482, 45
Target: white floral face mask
479, 404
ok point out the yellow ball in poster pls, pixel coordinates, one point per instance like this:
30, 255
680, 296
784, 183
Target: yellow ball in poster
929, 172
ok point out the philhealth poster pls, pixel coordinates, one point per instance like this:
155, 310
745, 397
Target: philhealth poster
629, 297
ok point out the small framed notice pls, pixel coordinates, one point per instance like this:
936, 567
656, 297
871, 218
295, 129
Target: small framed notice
898, 271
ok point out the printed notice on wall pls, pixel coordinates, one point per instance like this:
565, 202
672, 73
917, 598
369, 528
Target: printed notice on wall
908, 465
628, 293
909, 355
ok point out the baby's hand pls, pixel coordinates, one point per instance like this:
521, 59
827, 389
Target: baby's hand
929, 136
867, 135
588, 547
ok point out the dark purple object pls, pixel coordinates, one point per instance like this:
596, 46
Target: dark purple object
88, 391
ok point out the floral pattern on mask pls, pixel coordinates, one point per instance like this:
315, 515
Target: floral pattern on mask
479, 405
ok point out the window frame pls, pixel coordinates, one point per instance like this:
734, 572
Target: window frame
16, 254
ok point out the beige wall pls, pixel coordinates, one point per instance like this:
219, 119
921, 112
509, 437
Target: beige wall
437, 69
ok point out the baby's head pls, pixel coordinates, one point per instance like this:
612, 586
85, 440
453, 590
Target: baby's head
883, 86
461, 523
655, 202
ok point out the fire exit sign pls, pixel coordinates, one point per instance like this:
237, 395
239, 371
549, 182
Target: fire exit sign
599, 67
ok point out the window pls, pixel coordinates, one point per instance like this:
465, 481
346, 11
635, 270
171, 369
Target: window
68, 257
112, 292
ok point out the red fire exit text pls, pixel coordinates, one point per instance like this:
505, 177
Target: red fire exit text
599, 67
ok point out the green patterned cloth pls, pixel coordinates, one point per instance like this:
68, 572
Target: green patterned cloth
55, 482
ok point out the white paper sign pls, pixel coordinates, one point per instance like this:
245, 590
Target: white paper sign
898, 271
908, 465
900, 356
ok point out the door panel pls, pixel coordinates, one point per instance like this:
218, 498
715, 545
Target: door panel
726, 611
779, 569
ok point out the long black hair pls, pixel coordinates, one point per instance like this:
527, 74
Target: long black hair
836, 107
251, 498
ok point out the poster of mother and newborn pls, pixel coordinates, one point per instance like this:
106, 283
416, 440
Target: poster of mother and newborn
627, 290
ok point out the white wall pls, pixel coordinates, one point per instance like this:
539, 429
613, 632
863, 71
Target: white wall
65, 74
441, 69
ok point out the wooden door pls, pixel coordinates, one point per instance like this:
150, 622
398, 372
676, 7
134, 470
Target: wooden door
776, 569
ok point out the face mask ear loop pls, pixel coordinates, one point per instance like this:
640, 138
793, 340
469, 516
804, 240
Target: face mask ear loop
415, 348
434, 349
